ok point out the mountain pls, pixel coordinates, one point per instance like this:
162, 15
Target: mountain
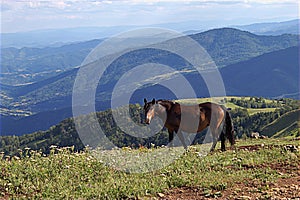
230, 47
268, 75
272, 74
275, 28
26, 65
58, 37
227, 46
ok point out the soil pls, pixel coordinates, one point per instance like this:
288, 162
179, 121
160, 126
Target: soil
282, 188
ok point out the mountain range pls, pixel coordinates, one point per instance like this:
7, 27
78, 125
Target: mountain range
250, 65
274, 28
59, 37
27, 65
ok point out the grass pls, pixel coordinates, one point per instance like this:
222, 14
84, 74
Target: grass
284, 122
65, 174
253, 111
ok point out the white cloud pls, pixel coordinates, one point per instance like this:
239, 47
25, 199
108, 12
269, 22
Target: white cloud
29, 15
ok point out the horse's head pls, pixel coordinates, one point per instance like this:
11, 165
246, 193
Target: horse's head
149, 110
153, 109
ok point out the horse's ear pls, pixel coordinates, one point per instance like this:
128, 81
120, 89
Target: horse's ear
145, 100
153, 101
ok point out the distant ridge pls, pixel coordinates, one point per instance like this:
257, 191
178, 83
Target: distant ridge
228, 45
59, 37
275, 28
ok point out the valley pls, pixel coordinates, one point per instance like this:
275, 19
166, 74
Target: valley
272, 60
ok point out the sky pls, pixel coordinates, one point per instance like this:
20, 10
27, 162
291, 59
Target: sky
22, 15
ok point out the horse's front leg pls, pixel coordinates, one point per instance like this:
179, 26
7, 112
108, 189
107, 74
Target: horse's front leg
213, 145
171, 137
181, 137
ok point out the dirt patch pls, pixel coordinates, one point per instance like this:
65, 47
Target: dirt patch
283, 188
287, 188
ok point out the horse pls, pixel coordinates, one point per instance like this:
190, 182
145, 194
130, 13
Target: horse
192, 119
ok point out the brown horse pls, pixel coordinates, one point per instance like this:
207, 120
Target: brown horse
192, 119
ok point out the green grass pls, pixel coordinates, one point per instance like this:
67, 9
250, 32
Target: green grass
253, 111
65, 174
288, 120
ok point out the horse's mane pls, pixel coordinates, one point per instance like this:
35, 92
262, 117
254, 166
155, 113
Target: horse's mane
166, 103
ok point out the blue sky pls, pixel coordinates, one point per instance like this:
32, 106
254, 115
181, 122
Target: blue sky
19, 16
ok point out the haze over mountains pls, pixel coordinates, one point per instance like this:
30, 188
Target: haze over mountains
37, 83
275, 28
59, 37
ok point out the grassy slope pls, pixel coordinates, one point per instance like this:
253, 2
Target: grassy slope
79, 175
282, 125
292, 130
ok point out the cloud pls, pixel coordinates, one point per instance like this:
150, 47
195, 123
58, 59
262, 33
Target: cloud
213, 1
30, 15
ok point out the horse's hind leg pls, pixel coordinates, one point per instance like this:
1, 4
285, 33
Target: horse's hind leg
171, 137
222, 137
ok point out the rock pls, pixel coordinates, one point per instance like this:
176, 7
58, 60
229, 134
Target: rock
263, 137
244, 197
276, 189
254, 135
161, 195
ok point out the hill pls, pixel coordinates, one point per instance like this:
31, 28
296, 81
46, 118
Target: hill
284, 125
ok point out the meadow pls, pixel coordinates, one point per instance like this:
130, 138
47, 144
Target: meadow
262, 168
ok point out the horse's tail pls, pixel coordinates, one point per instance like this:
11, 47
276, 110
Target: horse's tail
229, 128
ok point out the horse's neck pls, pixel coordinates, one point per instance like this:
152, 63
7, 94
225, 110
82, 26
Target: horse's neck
161, 111
166, 104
